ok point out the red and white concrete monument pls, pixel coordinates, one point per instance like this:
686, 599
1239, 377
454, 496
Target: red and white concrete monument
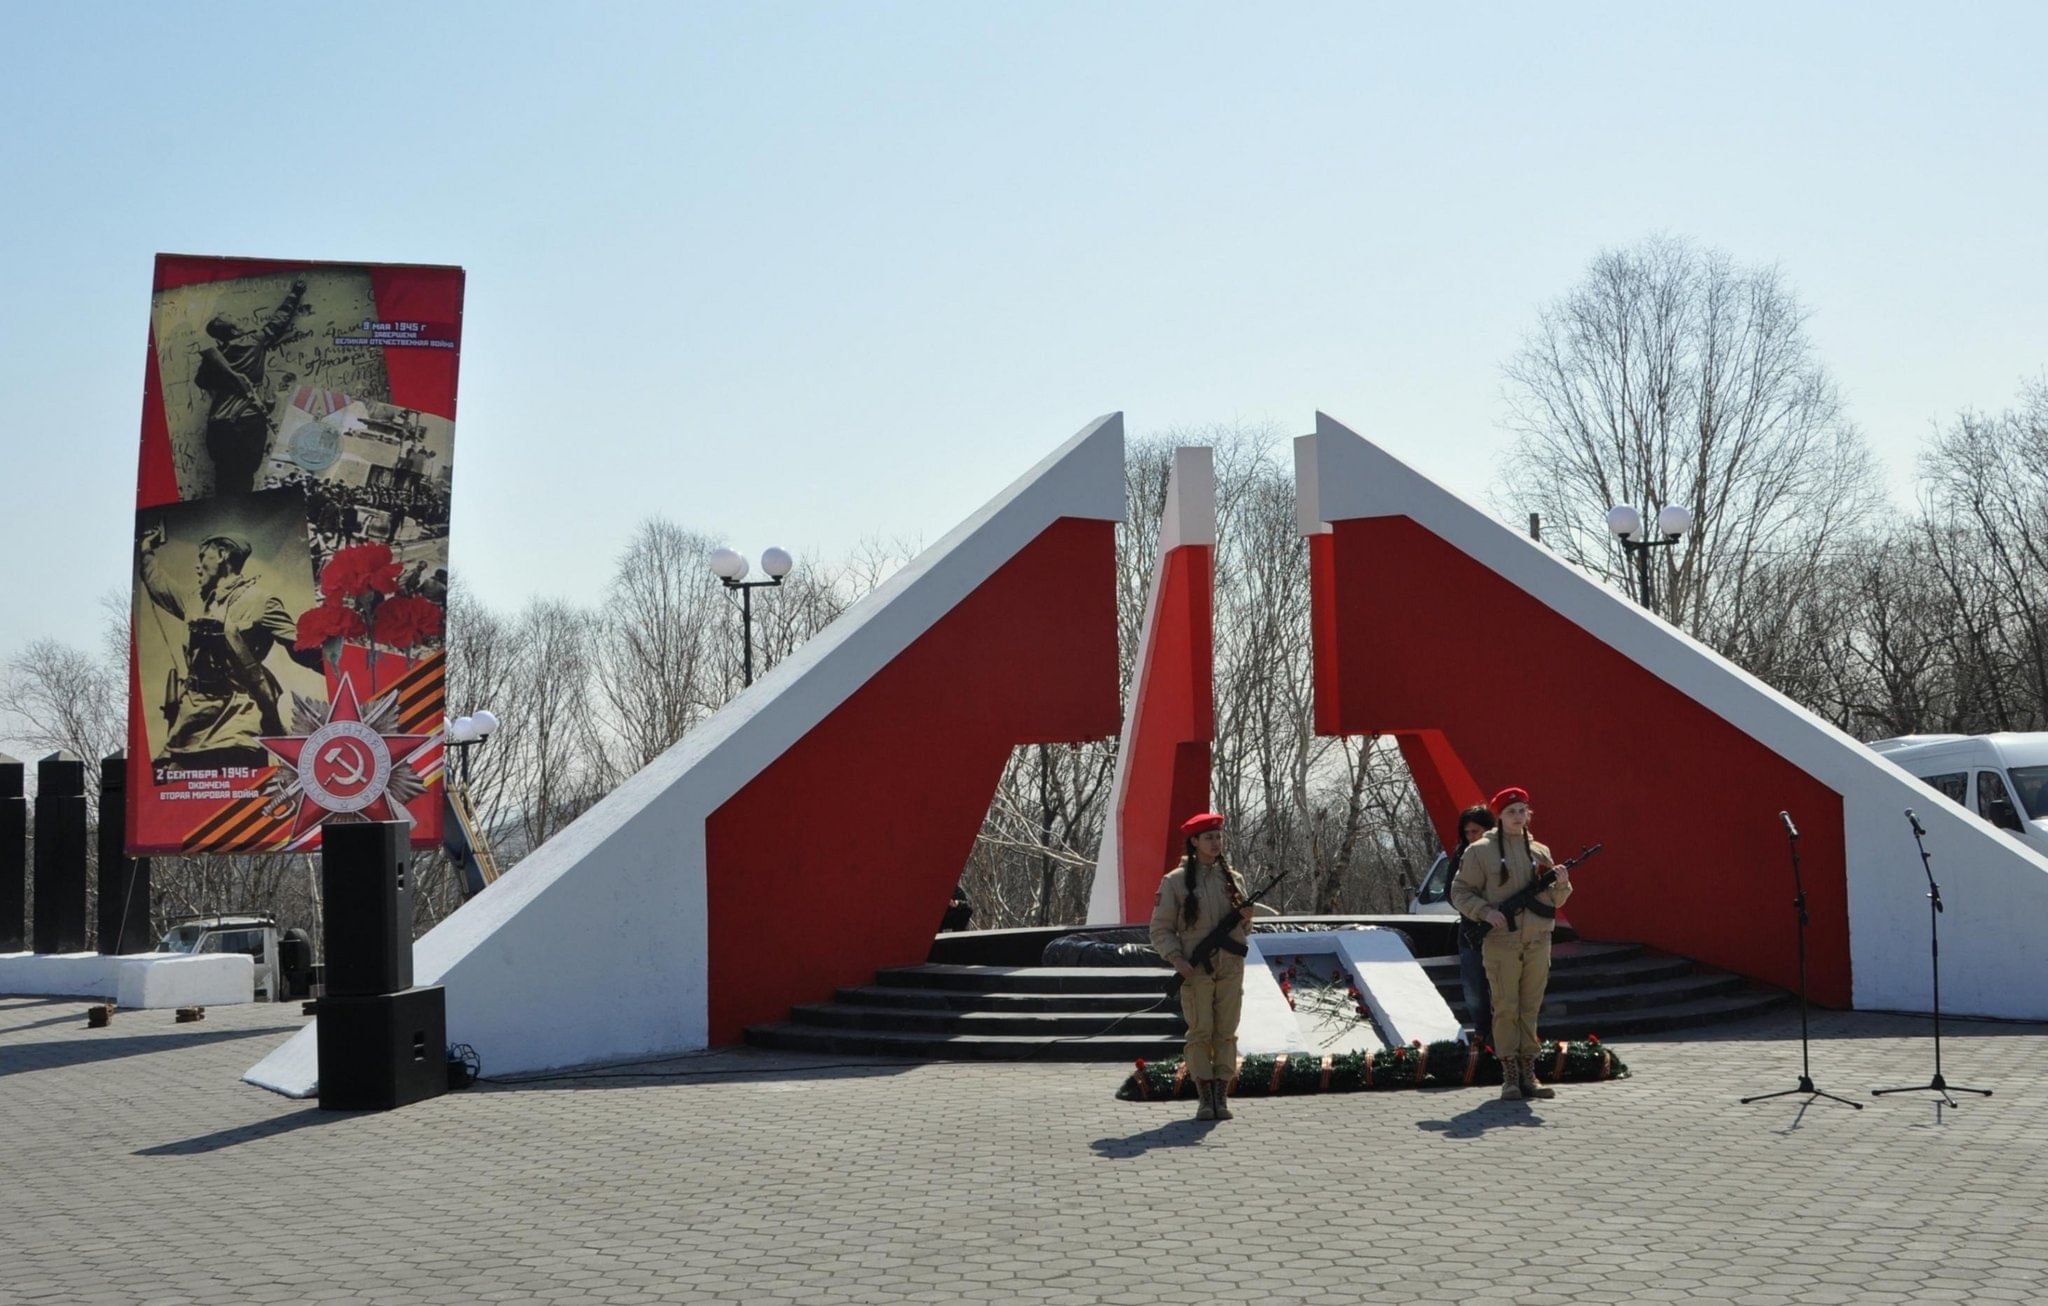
1497, 662
1162, 765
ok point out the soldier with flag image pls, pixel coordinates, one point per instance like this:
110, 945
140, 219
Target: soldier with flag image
231, 372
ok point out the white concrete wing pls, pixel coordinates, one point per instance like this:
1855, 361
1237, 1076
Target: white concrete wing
594, 947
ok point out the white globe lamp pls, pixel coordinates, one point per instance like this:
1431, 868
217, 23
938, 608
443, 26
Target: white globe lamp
729, 565
1624, 521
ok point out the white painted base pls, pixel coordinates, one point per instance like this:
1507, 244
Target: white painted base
1399, 992
1403, 998
1267, 1024
143, 980
293, 1069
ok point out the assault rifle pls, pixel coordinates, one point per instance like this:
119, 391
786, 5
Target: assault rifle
1218, 939
1524, 899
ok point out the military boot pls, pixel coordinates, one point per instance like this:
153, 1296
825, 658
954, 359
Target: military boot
1530, 1088
1206, 1111
1510, 1079
1222, 1098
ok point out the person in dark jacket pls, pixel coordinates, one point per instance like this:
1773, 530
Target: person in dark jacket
1473, 823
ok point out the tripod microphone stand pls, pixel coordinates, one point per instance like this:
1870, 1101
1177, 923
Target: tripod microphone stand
1805, 1052
1937, 1084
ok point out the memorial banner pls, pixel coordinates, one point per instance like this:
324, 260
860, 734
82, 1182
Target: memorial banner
291, 552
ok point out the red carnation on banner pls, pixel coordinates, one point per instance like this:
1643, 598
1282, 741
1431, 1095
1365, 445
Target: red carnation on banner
407, 620
358, 571
328, 621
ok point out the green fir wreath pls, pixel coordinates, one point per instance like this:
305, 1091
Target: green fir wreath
1447, 1064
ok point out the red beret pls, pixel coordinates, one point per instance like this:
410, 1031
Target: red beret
1201, 823
1507, 798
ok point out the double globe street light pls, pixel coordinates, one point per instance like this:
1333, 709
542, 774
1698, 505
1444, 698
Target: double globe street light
466, 732
1672, 522
731, 569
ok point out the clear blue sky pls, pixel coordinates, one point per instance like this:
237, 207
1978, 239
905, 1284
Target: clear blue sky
803, 273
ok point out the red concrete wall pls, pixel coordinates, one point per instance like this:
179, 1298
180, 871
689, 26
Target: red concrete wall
1412, 635
838, 859
1447, 788
1173, 722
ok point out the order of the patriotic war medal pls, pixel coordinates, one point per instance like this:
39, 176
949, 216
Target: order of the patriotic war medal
349, 766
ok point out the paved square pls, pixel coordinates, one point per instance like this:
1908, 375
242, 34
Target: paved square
139, 1170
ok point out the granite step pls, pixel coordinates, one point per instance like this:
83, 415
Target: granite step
1162, 1023
792, 1037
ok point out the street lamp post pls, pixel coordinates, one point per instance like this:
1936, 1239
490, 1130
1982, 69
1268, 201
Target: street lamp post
466, 732
731, 570
1626, 523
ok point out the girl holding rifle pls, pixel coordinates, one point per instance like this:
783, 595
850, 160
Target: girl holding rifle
1517, 959
1194, 898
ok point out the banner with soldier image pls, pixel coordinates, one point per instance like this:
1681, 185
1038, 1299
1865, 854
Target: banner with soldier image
291, 552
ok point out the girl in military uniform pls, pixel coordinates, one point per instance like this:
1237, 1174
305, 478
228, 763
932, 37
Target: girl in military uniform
1193, 898
1517, 960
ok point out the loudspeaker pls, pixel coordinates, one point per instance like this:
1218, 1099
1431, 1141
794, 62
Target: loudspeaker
59, 924
381, 1052
366, 897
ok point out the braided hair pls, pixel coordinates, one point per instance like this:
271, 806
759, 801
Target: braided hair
1528, 852
1191, 865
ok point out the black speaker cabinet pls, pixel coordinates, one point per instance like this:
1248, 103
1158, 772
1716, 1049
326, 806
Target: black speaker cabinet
366, 899
381, 1052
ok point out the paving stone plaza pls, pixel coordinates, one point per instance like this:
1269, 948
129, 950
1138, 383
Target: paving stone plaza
140, 1170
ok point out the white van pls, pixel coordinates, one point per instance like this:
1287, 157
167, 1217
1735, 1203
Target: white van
2002, 778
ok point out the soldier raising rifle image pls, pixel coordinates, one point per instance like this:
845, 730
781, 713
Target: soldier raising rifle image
1195, 898
1494, 870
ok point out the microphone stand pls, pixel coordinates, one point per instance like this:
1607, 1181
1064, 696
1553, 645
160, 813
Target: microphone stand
1937, 1084
1805, 1051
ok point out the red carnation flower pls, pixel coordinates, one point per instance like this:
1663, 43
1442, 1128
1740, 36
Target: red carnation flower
328, 621
1592, 1038
407, 620
1141, 1065
357, 571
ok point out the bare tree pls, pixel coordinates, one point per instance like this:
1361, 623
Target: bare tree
1986, 530
658, 654
548, 736
54, 695
1669, 376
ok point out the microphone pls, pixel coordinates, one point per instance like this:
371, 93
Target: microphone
1790, 828
1916, 823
